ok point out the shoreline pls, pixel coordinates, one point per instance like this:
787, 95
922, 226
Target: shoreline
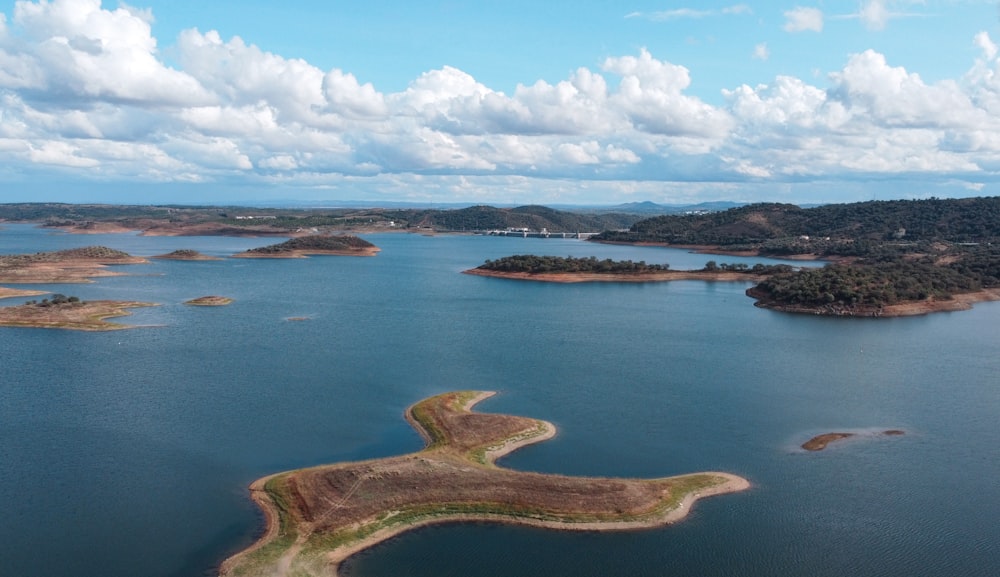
312, 522
958, 302
10, 293
659, 276
84, 316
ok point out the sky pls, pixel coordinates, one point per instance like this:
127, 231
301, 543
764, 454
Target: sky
498, 102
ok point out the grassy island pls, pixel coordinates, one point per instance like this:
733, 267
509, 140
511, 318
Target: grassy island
209, 301
573, 269
186, 254
820, 442
68, 313
318, 517
300, 247
74, 265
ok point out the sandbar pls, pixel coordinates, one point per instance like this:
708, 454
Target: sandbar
820, 442
209, 301
9, 293
82, 316
318, 517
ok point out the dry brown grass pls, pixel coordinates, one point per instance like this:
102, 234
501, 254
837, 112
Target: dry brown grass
321, 515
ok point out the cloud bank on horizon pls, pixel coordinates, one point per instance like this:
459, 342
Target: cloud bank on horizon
88, 97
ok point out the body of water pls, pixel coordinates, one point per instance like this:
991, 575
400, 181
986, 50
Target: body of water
128, 453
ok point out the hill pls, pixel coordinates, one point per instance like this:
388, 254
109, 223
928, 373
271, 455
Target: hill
835, 229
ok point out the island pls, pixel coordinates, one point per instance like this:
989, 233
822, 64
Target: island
209, 301
75, 265
820, 442
300, 247
317, 517
574, 270
61, 312
887, 258
186, 254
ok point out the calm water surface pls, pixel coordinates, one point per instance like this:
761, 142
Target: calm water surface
128, 453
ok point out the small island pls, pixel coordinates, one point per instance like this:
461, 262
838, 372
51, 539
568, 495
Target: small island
75, 265
300, 247
186, 254
820, 442
318, 517
574, 270
62, 312
209, 301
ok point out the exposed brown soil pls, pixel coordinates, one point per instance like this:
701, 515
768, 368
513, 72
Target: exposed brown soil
820, 442
9, 293
65, 266
83, 316
336, 510
210, 301
958, 302
657, 276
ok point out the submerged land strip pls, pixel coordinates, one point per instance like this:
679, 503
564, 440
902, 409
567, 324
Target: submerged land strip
318, 517
82, 316
820, 442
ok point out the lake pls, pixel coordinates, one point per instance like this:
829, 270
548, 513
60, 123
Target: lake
128, 453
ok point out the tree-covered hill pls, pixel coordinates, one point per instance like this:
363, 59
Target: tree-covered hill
828, 228
532, 217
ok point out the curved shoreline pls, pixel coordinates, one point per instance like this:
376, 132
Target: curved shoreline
314, 523
83, 316
957, 302
659, 276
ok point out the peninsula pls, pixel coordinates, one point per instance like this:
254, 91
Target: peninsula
68, 313
318, 517
300, 247
76, 265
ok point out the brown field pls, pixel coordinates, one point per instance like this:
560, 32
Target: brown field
317, 517
82, 316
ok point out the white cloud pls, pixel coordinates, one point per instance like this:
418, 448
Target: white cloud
77, 51
804, 20
83, 89
874, 14
685, 13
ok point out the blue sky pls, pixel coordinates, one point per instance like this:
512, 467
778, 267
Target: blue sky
505, 102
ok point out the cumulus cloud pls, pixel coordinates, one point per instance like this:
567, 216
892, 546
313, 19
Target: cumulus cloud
84, 91
804, 20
